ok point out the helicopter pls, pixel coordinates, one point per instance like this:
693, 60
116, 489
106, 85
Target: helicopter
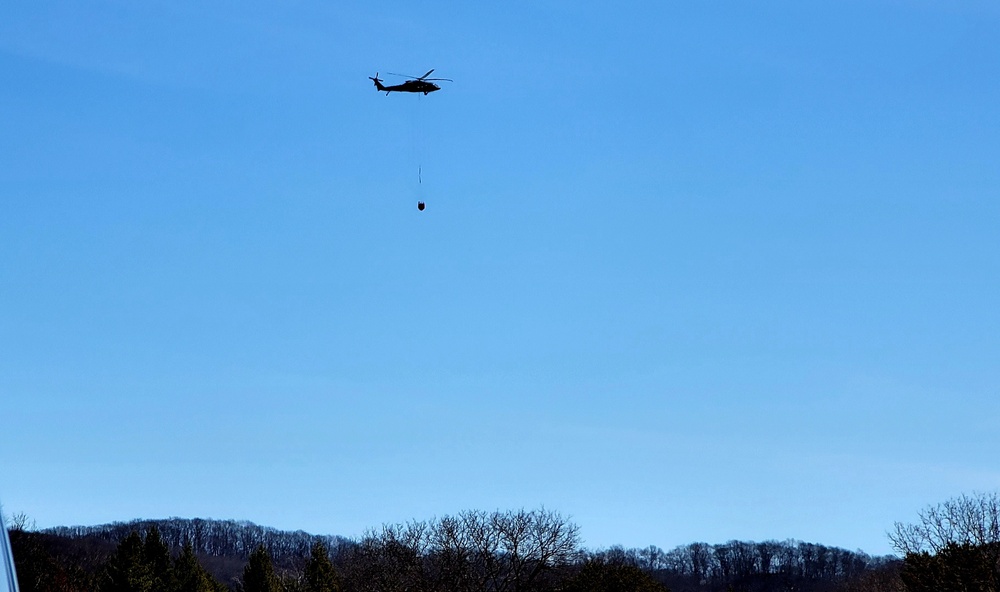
415, 84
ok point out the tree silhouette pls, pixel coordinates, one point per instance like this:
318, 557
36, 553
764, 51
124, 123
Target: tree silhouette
599, 575
127, 570
258, 575
965, 520
320, 575
965, 568
190, 576
954, 546
156, 556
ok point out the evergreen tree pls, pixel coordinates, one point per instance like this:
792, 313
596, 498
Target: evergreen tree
258, 575
156, 555
965, 568
127, 570
37, 569
599, 575
190, 576
320, 575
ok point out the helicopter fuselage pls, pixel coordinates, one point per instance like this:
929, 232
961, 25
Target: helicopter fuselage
414, 86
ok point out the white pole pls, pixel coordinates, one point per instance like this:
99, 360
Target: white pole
8, 579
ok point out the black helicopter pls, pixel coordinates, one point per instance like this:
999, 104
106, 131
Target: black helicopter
415, 85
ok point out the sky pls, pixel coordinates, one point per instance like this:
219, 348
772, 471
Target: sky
688, 271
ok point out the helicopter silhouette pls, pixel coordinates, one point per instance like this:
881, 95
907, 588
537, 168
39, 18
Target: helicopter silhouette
415, 84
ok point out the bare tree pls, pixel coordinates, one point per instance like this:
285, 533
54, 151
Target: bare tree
534, 542
450, 559
19, 521
652, 558
966, 520
390, 559
475, 551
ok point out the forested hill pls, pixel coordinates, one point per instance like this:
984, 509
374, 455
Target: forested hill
224, 546
212, 538
955, 546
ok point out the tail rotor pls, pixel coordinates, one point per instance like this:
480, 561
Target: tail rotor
377, 81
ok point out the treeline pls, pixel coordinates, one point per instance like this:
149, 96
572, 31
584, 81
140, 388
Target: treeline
473, 551
145, 563
211, 538
751, 566
699, 562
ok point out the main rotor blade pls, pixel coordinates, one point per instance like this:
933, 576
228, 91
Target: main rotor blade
424, 77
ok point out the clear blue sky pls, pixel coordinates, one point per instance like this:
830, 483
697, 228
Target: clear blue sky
689, 271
